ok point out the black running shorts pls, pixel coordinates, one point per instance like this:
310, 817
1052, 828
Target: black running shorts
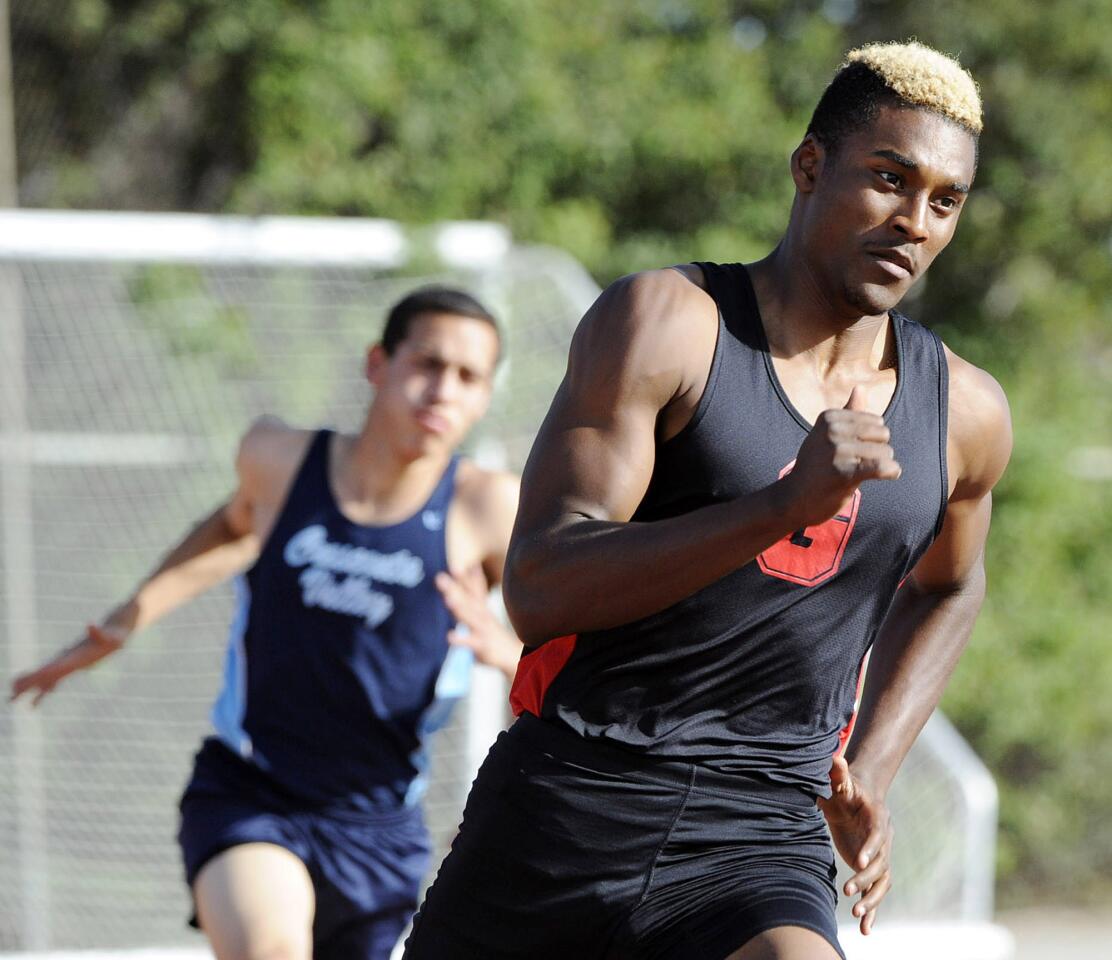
573, 849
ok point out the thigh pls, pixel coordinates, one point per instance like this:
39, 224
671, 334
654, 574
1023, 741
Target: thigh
256, 901
786, 943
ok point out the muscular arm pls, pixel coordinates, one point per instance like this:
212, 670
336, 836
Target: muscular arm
932, 617
920, 641
914, 655
576, 562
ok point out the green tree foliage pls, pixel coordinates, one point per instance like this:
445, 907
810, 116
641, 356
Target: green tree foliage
652, 131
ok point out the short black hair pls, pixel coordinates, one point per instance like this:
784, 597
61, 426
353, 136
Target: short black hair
433, 299
852, 101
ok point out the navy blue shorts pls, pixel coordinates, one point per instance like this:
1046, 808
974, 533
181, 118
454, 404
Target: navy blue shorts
366, 868
574, 849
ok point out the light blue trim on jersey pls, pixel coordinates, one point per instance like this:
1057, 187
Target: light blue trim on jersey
452, 684
231, 705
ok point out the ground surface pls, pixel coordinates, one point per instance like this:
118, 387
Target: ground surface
1057, 933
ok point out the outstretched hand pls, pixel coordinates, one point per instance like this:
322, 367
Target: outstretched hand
476, 625
97, 643
862, 831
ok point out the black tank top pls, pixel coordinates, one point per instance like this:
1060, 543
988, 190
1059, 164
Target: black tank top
756, 673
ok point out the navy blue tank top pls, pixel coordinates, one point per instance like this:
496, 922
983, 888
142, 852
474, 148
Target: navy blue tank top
338, 664
756, 673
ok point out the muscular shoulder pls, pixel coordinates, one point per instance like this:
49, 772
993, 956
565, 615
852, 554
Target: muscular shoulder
648, 331
980, 428
270, 452
652, 305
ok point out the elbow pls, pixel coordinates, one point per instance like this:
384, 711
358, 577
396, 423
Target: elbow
961, 597
973, 587
524, 597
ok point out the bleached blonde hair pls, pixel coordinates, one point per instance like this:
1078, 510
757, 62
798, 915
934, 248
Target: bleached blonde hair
923, 77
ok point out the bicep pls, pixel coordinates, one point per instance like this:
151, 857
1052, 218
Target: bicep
592, 457
638, 348
957, 554
979, 446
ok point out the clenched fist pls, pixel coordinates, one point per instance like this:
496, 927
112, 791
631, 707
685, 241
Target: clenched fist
845, 448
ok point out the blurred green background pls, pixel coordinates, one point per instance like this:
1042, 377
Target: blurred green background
636, 134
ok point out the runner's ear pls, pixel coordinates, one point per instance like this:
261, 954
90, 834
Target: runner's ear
377, 359
806, 163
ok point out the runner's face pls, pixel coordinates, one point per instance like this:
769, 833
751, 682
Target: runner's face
885, 205
437, 383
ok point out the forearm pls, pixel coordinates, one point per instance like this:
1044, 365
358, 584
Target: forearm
583, 574
208, 554
914, 655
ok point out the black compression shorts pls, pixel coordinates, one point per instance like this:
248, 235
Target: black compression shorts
570, 848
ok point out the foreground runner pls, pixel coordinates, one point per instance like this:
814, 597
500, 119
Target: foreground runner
700, 563
301, 829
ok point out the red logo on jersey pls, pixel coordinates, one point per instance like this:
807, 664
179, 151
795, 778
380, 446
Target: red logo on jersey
813, 554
